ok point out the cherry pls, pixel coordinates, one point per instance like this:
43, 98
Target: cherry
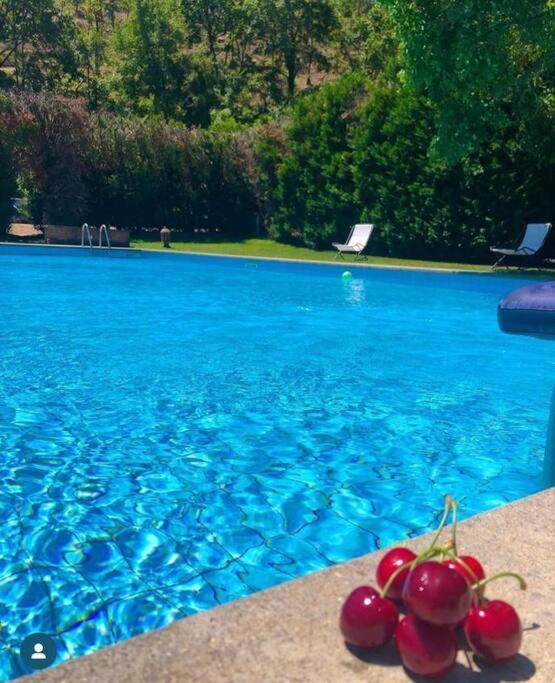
437, 594
368, 620
389, 563
426, 650
493, 630
472, 564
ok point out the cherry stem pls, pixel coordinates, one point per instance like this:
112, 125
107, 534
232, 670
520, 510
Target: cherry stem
480, 585
392, 578
454, 528
432, 551
448, 504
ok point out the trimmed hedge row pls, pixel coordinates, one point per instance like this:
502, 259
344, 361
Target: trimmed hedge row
363, 154
349, 152
75, 167
7, 189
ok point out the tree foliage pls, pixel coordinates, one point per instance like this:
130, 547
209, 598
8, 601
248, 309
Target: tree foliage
367, 40
480, 62
7, 187
96, 20
295, 31
356, 156
314, 184
36, 44
149, 67
212, 20
46, 136
133, 173
184, 60
434, 119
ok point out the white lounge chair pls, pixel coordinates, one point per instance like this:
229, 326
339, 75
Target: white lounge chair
356, 242
533, 240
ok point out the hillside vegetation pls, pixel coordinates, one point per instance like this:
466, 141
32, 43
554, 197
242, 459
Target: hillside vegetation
292, 118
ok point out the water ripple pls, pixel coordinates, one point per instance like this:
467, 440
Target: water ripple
179, 432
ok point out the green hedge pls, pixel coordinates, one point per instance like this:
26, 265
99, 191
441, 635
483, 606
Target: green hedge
359, 153
348, 152
101, 168
314, 186
425, 208
150, 174
7, 189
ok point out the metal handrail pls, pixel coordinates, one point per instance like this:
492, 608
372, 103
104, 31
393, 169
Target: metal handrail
85, 230
103, 227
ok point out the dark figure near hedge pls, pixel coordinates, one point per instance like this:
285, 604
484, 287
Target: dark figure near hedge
165, 237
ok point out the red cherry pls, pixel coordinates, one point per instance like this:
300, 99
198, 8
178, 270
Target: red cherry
389, 563
493, 630
437, 594
426, 650
472, 564
368, 620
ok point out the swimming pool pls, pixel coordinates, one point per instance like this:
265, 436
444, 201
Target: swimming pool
180, 431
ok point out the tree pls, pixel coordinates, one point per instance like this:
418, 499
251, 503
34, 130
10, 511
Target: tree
294, 34
366, 38
314, 181
211, 19
149, 64
481, 62
36, 43
7, 187
231, 33
97, 21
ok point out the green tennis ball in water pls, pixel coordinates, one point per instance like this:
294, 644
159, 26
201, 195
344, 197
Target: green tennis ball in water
347, 275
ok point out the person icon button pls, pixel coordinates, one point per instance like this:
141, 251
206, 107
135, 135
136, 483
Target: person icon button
38, 651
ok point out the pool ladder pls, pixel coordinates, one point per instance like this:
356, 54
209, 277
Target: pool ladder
86, 232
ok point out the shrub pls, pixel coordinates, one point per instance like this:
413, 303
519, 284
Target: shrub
427, 208
269, 145
102, 168
47, 139
407, 196
151, 174
7, 174
354, 154
7, 189
314, 184
348, 153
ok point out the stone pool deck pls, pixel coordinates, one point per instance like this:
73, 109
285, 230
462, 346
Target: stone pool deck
290, 634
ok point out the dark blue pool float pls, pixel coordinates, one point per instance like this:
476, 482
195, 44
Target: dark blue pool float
529, 310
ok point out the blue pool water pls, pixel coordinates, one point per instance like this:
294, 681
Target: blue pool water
177, 432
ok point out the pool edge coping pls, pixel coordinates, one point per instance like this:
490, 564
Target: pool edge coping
276, 259
265, 636
344, 264
514, 272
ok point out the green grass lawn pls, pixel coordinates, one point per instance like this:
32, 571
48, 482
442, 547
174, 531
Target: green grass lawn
271, 249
